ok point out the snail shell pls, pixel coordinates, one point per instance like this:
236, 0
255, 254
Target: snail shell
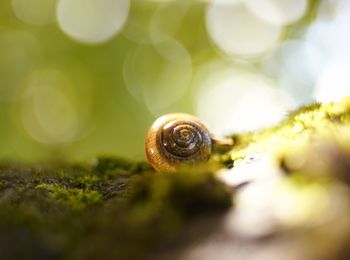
176, 139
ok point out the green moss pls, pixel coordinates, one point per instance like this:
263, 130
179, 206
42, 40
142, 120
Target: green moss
76, 199
187, 192
156, 209
113, 209
316, 121
118, 209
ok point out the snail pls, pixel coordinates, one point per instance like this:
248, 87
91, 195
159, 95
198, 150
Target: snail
177, 139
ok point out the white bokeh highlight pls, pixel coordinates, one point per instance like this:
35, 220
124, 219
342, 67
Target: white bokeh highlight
331, 34
315, 67
296, 65
279, 12
92, 21
239, 32
231, 101
334, 83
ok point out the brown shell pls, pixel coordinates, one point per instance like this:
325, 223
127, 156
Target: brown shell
176, 139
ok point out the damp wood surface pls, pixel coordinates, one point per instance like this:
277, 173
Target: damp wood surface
119, 209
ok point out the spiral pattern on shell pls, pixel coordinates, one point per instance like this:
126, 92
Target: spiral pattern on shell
177, 139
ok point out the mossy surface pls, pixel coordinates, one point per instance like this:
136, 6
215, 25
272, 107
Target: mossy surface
117, 209
112, 210
312, 122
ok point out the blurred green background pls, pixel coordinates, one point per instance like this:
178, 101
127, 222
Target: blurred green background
81, 78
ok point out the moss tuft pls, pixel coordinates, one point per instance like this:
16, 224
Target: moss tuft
113, 210
75, 199
316, 121
114, 166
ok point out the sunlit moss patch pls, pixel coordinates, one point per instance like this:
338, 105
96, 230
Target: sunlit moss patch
316, 121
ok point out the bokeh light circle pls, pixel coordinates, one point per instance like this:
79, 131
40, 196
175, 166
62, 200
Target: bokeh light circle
53, 106
296, 64
138, 25
334, 82
92, 21
20, 53
167, 19
151, 21
237, 31
231, 101
165, 81
279, 12
47, 113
